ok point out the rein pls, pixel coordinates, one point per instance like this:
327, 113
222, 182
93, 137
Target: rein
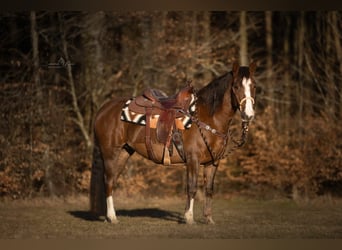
223, 153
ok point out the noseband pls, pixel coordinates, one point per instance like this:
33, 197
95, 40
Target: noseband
245, 99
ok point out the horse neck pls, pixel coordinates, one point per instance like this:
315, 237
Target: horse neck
222, 114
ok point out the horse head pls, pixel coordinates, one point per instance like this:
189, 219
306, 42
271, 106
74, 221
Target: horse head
243, 89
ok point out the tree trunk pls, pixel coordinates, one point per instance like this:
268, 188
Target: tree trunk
158, 43
269, 47
36, 78
285, 107
300, 92
35, 50
206, 41
269, 57
94, 62
142, 62
243, 39
300, 96
336, 27
329, 72
93, 83
146, 60
191, 38
46, 160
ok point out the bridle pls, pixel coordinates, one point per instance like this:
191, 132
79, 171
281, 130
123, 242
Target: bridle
224, 152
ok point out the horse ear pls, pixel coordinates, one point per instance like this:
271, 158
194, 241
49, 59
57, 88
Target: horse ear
252, 68
236, 67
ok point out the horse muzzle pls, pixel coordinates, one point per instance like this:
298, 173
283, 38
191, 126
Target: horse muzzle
247, 108
246, 118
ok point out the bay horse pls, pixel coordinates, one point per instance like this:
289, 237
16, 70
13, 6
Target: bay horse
204, 143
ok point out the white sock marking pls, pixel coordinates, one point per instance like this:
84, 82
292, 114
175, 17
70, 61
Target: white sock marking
191, 205
110, 208
189, 215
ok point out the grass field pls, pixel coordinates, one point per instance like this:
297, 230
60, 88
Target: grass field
163, 219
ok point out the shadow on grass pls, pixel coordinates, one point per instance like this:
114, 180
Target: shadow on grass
143, 212
84, 215
152, 213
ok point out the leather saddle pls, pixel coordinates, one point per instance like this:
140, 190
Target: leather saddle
159, 101
162, 112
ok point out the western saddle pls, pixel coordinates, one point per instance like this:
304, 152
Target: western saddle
162, 113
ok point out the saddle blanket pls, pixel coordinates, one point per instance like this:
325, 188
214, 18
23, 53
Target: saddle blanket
182, 122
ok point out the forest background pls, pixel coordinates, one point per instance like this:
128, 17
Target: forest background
57, 68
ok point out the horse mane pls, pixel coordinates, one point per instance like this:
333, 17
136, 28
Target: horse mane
212, 94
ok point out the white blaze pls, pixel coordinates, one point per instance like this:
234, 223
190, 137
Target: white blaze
249, 104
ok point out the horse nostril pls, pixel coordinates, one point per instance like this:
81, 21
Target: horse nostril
246, 117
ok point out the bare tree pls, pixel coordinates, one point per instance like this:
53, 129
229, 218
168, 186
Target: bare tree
79, 120
93, 85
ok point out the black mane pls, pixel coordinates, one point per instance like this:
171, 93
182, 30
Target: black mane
212, 94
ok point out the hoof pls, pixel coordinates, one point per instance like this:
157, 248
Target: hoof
210, 221
189, 218
112, 221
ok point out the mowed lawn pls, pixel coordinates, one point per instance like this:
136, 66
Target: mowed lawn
154, 218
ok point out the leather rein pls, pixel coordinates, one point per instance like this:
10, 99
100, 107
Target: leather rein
223, 153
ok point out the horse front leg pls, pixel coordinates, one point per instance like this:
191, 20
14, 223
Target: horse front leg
209, 175
192, 174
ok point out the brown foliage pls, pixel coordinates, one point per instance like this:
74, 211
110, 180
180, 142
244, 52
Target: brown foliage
301, 163
294, 146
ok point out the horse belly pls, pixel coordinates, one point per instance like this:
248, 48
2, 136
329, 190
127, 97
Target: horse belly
158, 150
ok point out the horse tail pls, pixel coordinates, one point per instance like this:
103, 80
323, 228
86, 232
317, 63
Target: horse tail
97, 183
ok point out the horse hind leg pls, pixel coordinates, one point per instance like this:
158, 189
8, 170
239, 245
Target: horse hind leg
113, 168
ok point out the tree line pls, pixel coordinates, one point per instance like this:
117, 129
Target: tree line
57, 68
